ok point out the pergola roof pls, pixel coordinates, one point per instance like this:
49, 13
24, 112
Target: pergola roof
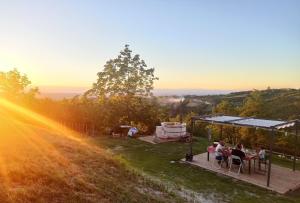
273, 125
247, 122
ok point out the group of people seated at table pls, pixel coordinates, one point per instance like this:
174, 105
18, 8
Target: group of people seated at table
222, 153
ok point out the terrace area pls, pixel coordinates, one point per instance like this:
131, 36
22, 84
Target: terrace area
274, 177
282, 181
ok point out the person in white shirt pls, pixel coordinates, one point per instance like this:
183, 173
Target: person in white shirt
262, 153
220, 153
219, 149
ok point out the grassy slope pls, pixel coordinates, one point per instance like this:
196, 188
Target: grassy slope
41, 165
155, 160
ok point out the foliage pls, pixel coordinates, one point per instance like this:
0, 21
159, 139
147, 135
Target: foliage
124, 75
225, 107
254, 105
14, 85
122, 91
143, 113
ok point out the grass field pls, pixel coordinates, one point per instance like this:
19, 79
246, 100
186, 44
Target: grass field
155, 161
52, 164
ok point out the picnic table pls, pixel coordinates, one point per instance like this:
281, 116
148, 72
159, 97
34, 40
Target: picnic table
249, 156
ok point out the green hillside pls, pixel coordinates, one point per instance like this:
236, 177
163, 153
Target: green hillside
278, 103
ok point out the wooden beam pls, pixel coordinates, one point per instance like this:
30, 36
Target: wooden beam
296, 145
192, 132
209, 140
270, 157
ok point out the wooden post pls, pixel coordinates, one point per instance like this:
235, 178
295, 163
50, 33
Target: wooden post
209, 140
296, 145
233, 136
192, 132
209, 134
180, 113
270, 157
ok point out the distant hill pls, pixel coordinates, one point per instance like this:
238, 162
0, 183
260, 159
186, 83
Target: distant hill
184, 92
61, 93
280, 103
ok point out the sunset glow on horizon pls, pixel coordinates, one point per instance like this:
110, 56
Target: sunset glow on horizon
191, 45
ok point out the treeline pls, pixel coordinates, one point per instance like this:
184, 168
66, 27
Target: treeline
94, 117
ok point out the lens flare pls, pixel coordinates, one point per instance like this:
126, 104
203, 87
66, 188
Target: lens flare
36, 151
42, 120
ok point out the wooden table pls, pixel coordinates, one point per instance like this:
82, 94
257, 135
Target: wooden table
248, 158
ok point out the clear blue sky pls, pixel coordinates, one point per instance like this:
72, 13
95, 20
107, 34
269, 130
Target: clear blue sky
221, 44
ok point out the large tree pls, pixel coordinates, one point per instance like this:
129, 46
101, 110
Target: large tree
126, 75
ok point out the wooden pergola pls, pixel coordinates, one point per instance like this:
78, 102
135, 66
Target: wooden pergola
271, 125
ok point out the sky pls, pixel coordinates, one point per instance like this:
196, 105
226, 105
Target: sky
214, 44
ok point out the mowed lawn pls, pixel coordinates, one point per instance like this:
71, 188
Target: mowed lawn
161, 162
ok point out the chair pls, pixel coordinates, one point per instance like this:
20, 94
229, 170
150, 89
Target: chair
217, 160
236, 160
263, 161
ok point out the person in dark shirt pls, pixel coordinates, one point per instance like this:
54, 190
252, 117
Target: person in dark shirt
238, 152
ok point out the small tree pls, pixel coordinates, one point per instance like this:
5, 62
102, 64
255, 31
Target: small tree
125, 75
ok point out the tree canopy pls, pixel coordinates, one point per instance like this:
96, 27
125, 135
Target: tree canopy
124, 75
13, 84
254, 105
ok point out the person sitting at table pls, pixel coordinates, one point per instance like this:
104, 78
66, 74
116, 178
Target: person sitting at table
238, 152
220, 153
262, 154
242, 147
262, 159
